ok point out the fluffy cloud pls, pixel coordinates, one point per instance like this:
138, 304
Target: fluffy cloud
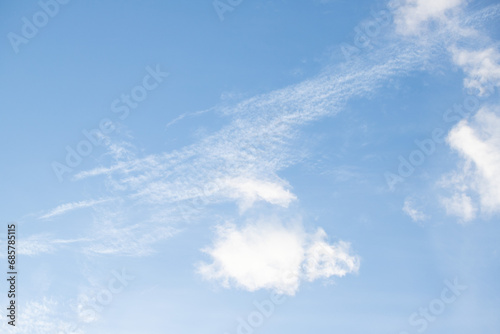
478, 143
269, 255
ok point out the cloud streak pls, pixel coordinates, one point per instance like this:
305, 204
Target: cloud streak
67, 207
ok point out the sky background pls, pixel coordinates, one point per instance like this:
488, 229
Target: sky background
340, 156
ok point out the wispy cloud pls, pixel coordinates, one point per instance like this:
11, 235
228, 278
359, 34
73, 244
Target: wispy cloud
258, 142
242, 163
239, 163
67, 207
40, 317
45, 243
134, 241
38, 244
415, 214
186, 115
461, 206
242, 160
247, 191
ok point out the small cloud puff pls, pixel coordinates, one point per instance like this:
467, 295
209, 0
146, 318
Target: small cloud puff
415, 214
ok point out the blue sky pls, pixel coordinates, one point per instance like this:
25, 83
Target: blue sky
252, 166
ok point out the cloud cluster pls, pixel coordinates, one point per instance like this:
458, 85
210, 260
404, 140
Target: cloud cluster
474, 187
269, 255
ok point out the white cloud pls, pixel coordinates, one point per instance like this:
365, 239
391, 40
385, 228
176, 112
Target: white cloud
64, 208
480, 60
461, 206
247, 191
323, 260
476, 140
42, 317
412, 15
239, 163
478, 143
136, 240
484, 16
415, 214
268, 255
127, 231
113, 235
41, 243
242, 161
243, 158
44, 243
482, 67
